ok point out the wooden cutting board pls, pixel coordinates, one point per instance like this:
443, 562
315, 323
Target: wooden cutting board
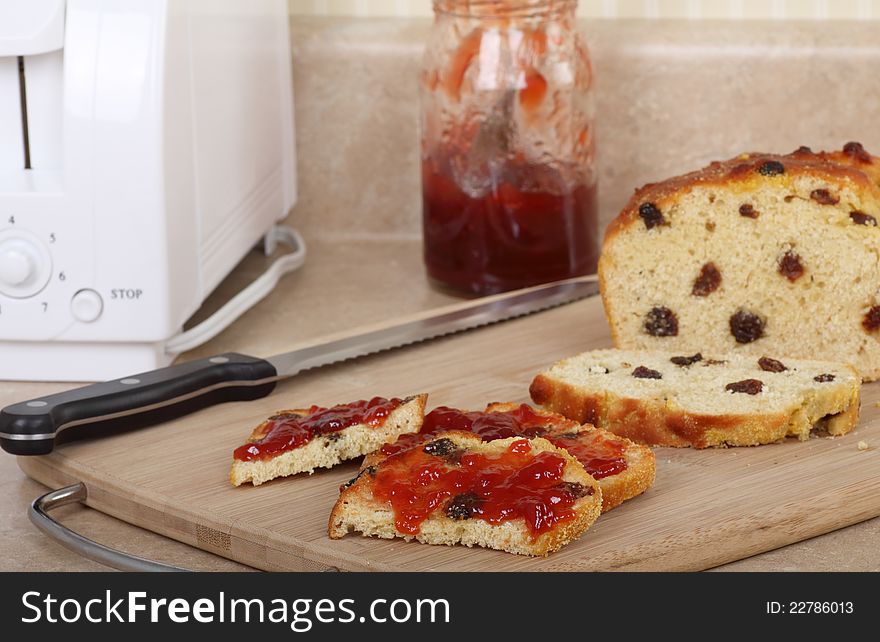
706, 507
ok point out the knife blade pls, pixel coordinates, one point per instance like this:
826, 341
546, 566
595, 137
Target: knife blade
32, 427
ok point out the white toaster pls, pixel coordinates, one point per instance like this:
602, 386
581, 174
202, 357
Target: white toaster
145, 147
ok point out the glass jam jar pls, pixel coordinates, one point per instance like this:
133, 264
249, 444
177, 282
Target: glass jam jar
507, 146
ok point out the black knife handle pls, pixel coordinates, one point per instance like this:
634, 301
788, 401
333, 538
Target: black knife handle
32, 427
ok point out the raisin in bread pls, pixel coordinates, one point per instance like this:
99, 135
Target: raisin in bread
665, 399
518, 495
297, 441
761, 254
623, 468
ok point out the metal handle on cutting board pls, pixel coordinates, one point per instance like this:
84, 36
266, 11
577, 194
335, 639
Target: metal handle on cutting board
39, 516
38, 513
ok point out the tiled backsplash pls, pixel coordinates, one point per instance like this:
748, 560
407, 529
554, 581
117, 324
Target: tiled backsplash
662, 9
672, 96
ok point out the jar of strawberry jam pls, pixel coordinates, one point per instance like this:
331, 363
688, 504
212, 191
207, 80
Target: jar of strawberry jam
508, 151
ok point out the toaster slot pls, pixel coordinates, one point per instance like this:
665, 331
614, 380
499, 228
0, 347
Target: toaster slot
22, 100
11, 137
42, 90
31, 105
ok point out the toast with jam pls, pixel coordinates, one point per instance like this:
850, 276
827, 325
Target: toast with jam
523, 496
296, 441
623, 469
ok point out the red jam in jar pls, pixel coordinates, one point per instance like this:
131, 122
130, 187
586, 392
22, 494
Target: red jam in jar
289, 431
517, 483
600, 455
509, 237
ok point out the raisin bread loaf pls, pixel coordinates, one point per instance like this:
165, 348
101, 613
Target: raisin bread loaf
297, 441
517, 495
761, 254
623, 469
699, 400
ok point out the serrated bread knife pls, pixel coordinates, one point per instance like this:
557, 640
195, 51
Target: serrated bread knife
32, 427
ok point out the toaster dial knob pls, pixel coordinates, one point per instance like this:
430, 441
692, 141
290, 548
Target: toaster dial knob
25, 264
16, 266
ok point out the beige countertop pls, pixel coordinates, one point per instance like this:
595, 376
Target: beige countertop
343, 284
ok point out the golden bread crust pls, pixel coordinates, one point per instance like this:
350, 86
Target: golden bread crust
742, 173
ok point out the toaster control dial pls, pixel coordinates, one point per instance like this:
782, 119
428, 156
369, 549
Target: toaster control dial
25, 264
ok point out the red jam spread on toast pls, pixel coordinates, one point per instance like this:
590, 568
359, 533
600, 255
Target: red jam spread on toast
517, 483
520, 422
599, 454
289, 431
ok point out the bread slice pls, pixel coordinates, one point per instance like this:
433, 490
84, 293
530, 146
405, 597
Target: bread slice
623, 469
596, 448
665, 399
761, 254
457, 519
326, 448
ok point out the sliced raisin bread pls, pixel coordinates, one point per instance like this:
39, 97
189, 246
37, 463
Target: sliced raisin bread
623, 469
761, 254
518, 495
297, 441
701, 400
